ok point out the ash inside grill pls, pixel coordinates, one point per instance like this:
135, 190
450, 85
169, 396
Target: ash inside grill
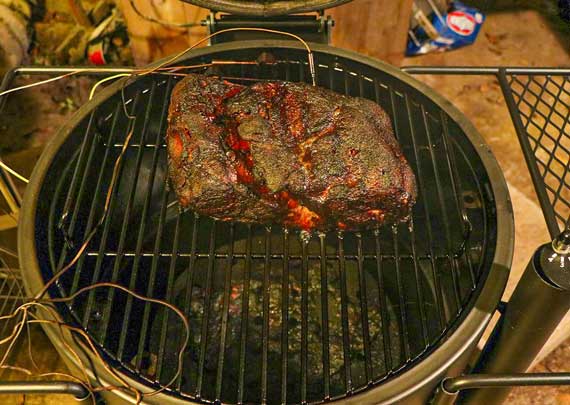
271, 317
248, 281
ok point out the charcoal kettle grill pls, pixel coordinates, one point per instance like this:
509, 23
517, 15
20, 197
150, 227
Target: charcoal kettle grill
382, 316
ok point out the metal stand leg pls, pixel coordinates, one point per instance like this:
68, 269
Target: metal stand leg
538, 304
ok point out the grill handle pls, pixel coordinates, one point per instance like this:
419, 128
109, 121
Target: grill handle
540, 300
45, 387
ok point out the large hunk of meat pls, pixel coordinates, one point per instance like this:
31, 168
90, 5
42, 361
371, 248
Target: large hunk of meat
288, 153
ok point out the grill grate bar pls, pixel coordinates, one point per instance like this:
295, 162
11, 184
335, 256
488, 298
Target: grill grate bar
445, 215
458, 191
419, 292
124, 227
284, 317
401, 297
75, 179
70, 230
344, 316
437, 282
152, 277
257, 256
141, 232
304, 322
244, 317
325, 318
364, 311
383, 305
102, 245
206, 315
226, 304
438, 292
93, 210
265, 331
168, 298
191, 271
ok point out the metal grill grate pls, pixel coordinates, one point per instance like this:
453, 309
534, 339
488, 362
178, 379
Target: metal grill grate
543, 104
538, 100
272, 318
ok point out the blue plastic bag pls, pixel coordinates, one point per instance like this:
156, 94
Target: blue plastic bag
458, 27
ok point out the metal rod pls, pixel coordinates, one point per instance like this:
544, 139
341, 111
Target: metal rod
325, 318
97, 273
127, 215
206, 316
80, 171
261, 256
44, 387
224, 334
191, 271
142, 226
168, 298
38, 70
444, 210
344, 316
223, 24
152, 277
244, 317
363, 298
384, 317
422, 188
404, 335
472, 381
451, 70
285, 317
304, 322
483, 70
266, 316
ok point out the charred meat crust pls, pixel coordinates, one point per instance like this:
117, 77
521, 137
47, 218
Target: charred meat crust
288, 153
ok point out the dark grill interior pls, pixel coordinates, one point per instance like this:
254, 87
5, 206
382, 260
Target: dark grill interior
271, 317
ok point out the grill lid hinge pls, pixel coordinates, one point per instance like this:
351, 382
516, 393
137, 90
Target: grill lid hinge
313, 28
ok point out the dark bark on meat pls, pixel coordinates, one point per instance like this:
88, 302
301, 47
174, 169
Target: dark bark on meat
287, 153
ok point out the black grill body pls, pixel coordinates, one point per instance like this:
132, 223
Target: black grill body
365, 317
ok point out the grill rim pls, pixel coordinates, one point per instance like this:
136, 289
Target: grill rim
417, 377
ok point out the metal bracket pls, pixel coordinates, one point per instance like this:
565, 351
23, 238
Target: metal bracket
313, 28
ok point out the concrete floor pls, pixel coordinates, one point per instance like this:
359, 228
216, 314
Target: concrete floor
515, 38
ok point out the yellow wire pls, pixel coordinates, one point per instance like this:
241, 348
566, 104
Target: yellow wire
13, 172
92, 93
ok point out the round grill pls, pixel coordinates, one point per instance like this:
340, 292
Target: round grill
272, 318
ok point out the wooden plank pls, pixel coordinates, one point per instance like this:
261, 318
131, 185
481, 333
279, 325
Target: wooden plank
151, 41
377, 28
